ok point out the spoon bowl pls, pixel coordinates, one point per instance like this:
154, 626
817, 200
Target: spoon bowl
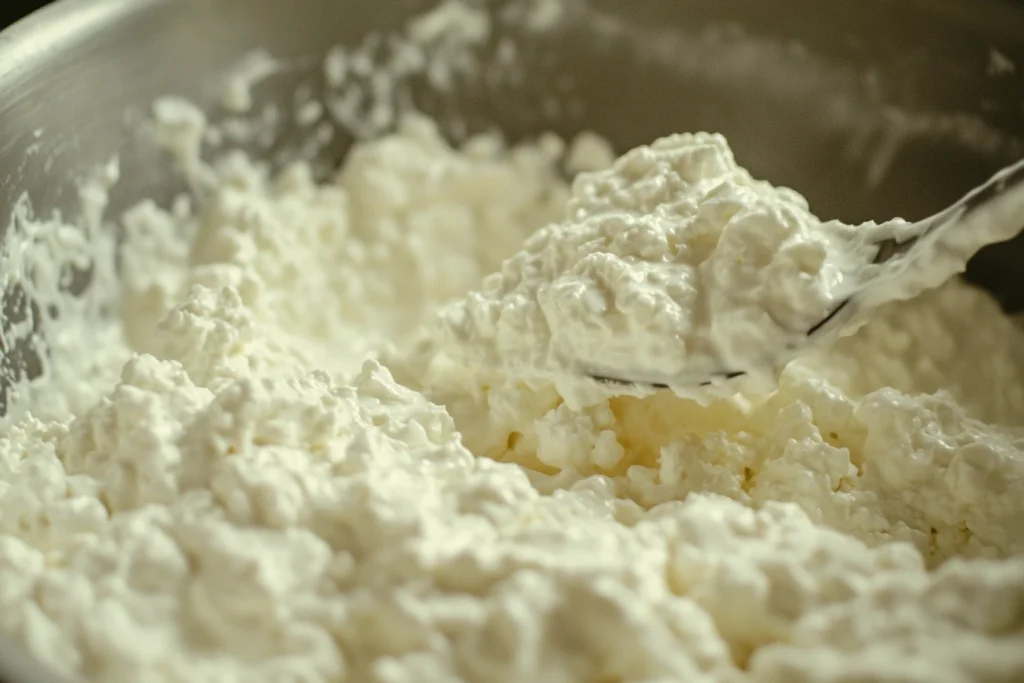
913, 258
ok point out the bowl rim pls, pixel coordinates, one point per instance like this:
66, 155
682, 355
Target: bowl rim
51, 28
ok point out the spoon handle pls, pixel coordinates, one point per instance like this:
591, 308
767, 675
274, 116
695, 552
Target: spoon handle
940, 246
1005, 181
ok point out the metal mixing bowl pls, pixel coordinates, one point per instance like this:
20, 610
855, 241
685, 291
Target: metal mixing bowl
870, 108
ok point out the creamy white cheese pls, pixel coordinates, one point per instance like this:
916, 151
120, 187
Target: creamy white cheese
673, 265
276, 465
241, 507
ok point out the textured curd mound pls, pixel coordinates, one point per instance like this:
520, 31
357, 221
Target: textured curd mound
673, 265
286, 483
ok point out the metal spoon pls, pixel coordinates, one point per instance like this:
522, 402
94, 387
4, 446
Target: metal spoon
918, 257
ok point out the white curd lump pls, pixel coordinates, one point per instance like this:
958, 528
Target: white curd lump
311, 446
671, 265
674, 266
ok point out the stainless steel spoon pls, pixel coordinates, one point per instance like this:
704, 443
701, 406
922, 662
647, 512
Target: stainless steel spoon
919, 256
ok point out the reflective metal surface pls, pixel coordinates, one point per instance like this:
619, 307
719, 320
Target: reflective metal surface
871, 108
808, 98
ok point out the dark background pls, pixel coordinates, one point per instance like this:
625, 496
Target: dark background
12, 10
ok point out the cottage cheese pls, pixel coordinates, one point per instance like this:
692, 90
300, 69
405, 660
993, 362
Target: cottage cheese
291, 457
673, 266
674, 263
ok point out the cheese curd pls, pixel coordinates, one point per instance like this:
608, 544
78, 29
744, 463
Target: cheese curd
297, 457
672, 264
